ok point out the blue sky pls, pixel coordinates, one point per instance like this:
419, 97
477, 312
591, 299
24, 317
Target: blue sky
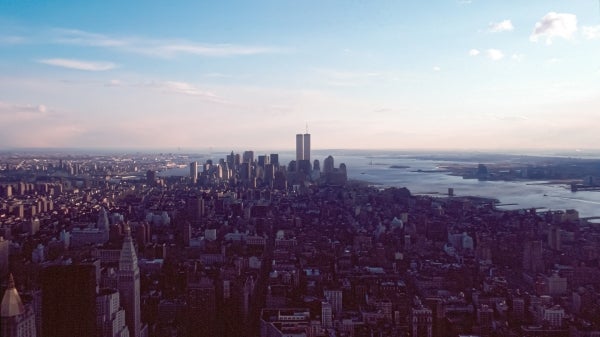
451, 74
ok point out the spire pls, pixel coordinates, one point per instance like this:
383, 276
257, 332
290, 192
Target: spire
11, 281
128, 258
11, 302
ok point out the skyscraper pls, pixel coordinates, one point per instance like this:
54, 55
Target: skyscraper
306, 146
299, 147
4, 247
16, 319
68, 300
420, 320
129, 285
111, 317
194, 171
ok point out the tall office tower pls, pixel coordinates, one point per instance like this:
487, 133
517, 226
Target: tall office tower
532, 256
16, 320
269, 173
150, 177
194, 171
230, 159
420, 320
248, 157
316, 165
68, 300
326, 315
328, 164
245, 171
201, 299
4, 247
299, 147
103, 223
307, 146
554, 239
129, 285
263, 160
111, 317
335, 298
274, 158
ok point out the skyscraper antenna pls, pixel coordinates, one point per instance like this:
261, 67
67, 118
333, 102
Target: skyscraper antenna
306, 127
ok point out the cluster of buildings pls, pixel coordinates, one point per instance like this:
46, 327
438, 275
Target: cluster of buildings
245, 246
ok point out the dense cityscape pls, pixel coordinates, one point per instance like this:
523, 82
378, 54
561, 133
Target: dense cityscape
103, 245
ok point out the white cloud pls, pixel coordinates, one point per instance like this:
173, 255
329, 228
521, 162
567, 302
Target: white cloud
517, 57
502, 26
157, 47
437, 68
495, 54
591, 32
79, 64
555, 25
474, 52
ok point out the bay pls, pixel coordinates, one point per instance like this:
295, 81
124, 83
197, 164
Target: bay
431, 179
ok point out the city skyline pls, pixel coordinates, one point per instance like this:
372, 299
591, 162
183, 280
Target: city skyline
453, 74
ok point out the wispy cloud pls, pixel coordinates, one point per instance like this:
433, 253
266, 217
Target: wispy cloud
12, 39
159, 47
79, 64
15, 111
348, 78
591, 32
437, 68
173, 87
553, 25
495, 54
474, 52
502, 26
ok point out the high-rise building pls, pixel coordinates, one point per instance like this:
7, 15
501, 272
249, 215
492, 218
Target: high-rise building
299, 147
129, 285
248, 157
554, 315
421, 320
328, 164
150, 177
335, 298
68, 300
306, 155
274, 157
103, 223
532, 256
194, 171
4, 248
554, 237
16, 320
111, 317
263, 160
326, 315
201, 299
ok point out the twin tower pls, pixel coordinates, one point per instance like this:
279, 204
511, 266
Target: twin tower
302, 147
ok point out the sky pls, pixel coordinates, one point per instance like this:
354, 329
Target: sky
438, 74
